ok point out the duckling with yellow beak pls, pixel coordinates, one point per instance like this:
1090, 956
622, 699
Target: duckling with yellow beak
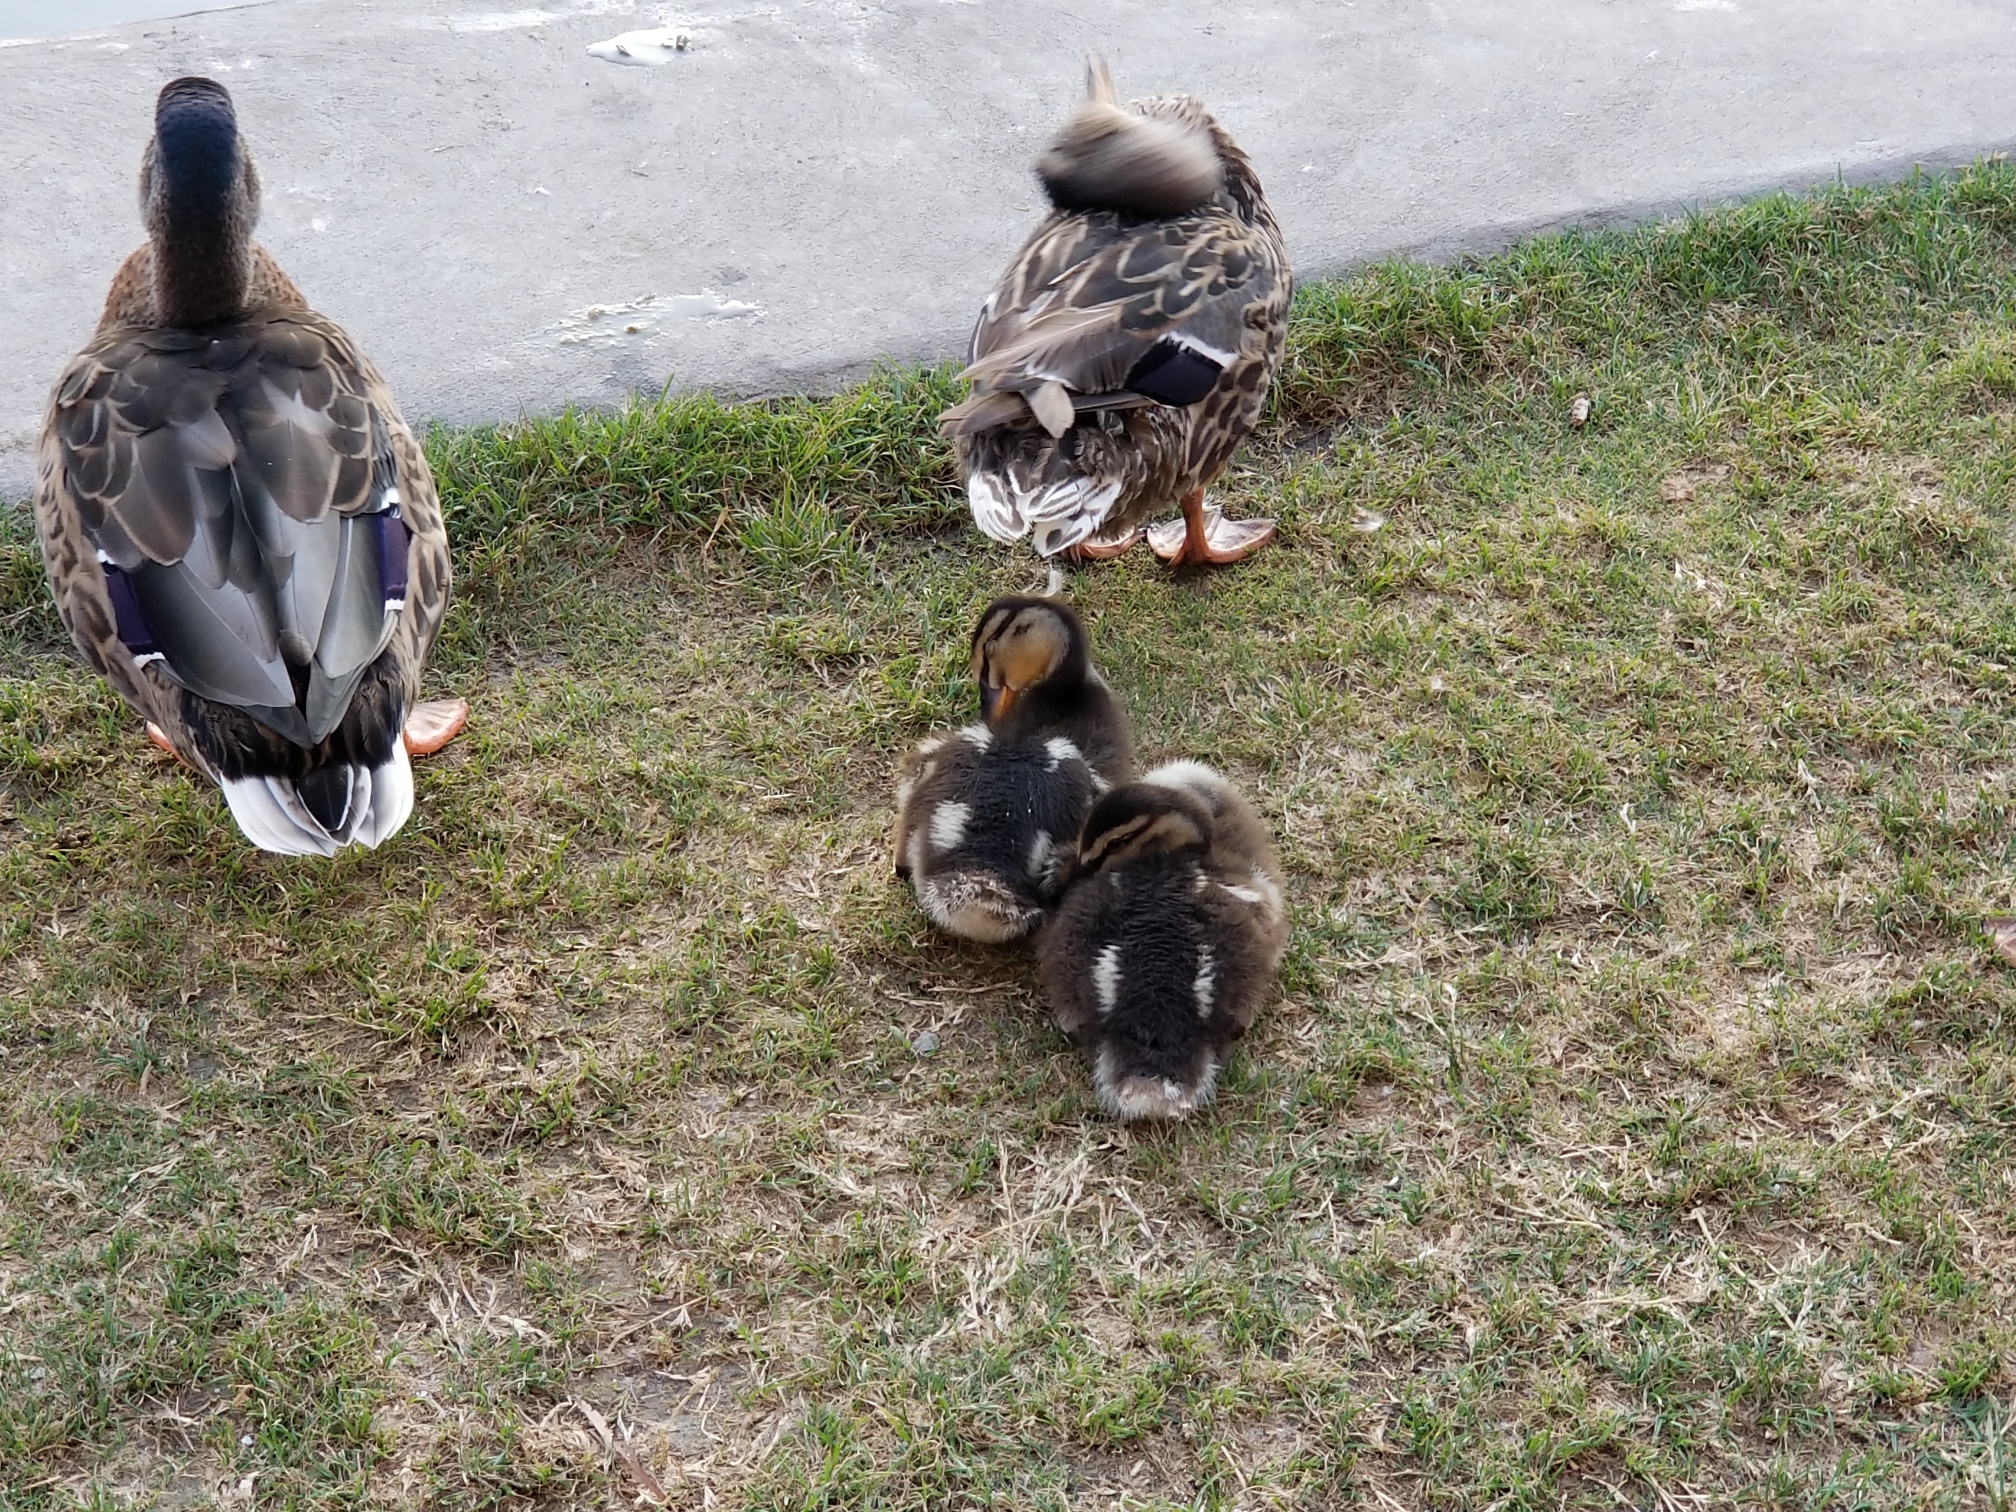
986, 816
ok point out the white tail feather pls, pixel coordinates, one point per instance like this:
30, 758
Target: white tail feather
260, 806
1059, 514
272, 816
391, 799
1049, 539
992, 509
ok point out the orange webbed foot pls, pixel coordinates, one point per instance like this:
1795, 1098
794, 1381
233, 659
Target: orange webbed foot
434, 723
1204, 537
1100, 551
159, 737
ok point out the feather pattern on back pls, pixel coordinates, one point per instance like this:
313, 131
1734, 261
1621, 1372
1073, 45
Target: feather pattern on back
242, 497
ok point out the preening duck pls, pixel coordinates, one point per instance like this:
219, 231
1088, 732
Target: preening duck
986, 816
1167, 938
1128, 349
240, 531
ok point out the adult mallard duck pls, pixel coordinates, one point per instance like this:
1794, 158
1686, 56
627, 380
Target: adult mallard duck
986, 816
241, 532
1127, 350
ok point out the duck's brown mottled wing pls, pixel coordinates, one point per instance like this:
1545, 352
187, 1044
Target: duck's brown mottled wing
1108, 306
240, 491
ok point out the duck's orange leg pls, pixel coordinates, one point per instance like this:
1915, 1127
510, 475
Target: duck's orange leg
1205, 537
159, 737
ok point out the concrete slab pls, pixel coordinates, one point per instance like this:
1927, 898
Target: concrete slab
814, 184
22, 20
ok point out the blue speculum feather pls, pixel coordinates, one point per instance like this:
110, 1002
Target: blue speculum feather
394, 541
134, 633
1170, 373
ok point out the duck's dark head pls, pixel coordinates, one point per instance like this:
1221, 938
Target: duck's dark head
1109, 157
1022, 644
199, 196
1140, 820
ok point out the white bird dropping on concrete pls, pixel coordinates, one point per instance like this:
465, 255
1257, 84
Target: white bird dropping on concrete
642, 49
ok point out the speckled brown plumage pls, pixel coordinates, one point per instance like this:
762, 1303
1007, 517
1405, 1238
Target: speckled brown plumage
1123, 357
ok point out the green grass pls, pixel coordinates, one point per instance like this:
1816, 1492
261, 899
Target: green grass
1632, 1128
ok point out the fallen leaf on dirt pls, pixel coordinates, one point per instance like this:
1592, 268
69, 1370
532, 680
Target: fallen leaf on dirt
653, 1489
598, 1422
2002, 933
1676, 490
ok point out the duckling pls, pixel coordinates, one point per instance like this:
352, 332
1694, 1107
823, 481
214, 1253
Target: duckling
1128, 348
986, 815
1170, 929
240, 531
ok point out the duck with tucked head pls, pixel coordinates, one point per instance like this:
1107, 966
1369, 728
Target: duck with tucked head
986, 815
1167, 938
1128, 349
240, 531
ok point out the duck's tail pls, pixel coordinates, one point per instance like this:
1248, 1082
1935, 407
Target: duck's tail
977, 905
354, 787
343, 803
1021, 483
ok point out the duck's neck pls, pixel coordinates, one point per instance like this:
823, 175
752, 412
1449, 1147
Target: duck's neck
1043, 707
201, 227
199, 279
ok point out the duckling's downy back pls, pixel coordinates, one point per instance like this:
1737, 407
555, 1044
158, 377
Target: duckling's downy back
986, 822
1162, 949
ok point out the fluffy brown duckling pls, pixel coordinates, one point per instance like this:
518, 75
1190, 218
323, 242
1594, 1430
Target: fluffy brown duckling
240, 531
1170, 930
986, 816
1128, 348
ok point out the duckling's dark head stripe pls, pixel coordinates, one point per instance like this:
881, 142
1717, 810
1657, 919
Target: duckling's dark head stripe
1105, 833
993, 620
